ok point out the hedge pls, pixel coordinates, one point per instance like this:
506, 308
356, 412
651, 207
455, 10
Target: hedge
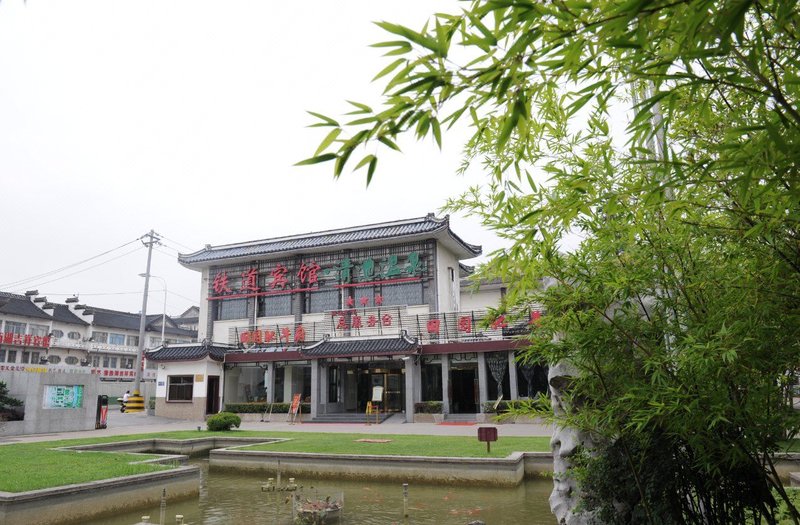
260, 408
428, 407
223, 421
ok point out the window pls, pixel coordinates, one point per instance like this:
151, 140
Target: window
54, 359
275, 305
126, 362
400, 294
15, 328
323, 301
12, 356
38, 329
154, 341
70, 360
30, 358
231, 309
95, 361
133, 340
100, 337
58, 334
2, 355
333, 384
109, 362
116, 339
180, 388
74, 336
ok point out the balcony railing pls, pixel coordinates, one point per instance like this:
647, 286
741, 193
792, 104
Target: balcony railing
429, 328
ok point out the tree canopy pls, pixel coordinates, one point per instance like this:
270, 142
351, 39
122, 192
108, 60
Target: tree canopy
681, 306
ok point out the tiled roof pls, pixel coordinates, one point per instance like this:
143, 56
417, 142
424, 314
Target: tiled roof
397, 230
191, 352
63, 314
130, 321
13, 304
357, 347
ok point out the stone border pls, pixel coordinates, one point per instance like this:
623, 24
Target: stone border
94, 499
508, 471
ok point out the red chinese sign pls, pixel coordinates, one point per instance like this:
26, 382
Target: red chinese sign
282, 335
10, 338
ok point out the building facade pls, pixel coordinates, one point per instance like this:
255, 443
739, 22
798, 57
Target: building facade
41, 335
329, 316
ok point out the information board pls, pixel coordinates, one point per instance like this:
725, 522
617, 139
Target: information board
63, 396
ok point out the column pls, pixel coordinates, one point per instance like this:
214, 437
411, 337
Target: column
512, 374
269, 382
411, 383
315, 379
445, 384
483, 389
323, 387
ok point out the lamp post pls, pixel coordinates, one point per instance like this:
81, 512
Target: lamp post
164, 315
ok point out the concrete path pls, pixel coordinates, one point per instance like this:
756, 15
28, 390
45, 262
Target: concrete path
141, 423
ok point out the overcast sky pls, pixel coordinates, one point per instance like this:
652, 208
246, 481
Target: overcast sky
186, 117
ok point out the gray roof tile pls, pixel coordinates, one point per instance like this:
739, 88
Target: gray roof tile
13, 304
356, 347
191, 352
422, 226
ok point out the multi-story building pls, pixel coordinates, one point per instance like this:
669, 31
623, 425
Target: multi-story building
329, 316
72, 336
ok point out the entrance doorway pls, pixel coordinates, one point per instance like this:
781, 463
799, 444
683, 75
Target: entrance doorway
212, 395
464, 387
390, 377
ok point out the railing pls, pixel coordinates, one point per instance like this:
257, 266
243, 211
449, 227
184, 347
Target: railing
429, 328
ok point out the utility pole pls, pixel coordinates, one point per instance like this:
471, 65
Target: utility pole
136, 401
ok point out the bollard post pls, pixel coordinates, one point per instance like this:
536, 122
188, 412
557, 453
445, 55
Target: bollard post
145, 519
405, 500
178, 519
163, 517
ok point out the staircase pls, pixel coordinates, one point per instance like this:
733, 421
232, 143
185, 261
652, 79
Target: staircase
460, 418
351, 417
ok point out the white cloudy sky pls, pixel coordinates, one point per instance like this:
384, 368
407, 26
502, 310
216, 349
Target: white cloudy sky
186, 117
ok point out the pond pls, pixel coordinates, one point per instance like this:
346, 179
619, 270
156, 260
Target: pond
229, 497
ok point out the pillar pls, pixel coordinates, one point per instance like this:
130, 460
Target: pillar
483, 389
315, 380
445, 384
269, 382
411, 384
512, 375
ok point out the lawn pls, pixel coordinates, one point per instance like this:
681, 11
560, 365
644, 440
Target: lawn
31, 466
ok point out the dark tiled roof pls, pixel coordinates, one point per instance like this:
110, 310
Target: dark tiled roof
130, 321
400, 230
191, 352
13, 304
357, 347
63, 314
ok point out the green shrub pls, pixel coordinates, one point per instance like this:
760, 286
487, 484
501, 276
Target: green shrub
223, 421
503, 406
428, 407
261, 407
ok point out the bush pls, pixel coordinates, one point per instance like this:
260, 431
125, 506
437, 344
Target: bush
260, 408
504, 406
428, 407
223, 421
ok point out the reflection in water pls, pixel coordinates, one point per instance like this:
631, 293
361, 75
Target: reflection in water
227, 497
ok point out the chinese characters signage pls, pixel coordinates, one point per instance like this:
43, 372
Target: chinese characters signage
63, 396
311, 274
10, 338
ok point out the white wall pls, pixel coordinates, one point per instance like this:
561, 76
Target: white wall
480, 300
204, 367
447, 289
202, 329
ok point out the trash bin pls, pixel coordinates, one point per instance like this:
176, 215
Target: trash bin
101, 419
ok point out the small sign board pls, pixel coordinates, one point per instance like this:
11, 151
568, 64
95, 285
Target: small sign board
487, 435
198, 378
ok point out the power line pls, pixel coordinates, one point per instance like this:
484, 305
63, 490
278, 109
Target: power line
53, 272
90, 267
182, 296
92, 294
178, 243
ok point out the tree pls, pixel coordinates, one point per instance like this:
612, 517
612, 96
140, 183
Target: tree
680, 307
7, 401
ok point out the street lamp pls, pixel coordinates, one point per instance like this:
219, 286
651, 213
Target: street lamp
164, 315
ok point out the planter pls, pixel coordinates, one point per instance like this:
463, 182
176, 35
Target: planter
428, 418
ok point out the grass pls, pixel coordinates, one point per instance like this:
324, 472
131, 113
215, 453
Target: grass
403, 445
31, 466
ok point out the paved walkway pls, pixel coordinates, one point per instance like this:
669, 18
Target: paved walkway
141, 423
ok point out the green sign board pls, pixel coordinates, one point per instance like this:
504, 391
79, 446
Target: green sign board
63, 396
